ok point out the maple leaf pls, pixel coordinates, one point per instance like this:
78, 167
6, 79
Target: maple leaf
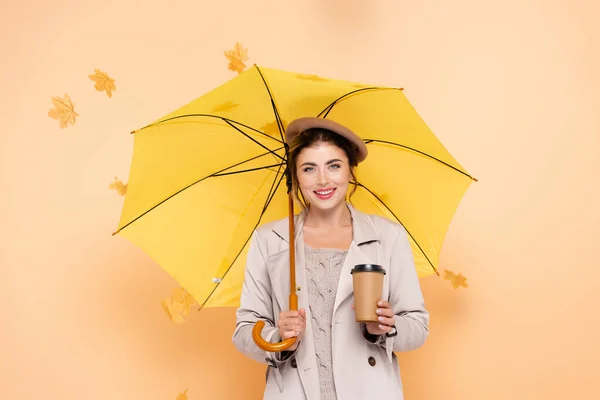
64, 111
173, 311
228, 105
103, 82
188, 302
311, 77
178, 294
236, 58
457, 280
182, 297
119, 186
272, 128
182, 396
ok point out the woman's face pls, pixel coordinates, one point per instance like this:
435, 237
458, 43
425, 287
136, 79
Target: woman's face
323, 175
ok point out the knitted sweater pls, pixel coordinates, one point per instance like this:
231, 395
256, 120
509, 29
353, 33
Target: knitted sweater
323, 267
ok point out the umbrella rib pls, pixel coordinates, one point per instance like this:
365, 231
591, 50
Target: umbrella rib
268, 201
254, 140
221, 172
273, 189
224, 119
326, 110
243, 170
400, 222
275, 111
367, 141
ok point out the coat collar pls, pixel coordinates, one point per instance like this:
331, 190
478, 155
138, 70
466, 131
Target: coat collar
363, 230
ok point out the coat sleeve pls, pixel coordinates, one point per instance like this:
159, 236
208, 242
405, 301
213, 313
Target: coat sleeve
406, 298
256, 304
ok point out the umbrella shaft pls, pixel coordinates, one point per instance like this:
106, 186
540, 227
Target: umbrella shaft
292, 235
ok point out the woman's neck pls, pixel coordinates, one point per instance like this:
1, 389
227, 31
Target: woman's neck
337, 217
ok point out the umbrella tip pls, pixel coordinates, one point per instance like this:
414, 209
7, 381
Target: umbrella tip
132, 132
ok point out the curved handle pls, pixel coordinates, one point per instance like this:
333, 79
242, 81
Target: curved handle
267, 346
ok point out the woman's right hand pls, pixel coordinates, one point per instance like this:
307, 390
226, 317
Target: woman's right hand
292, 324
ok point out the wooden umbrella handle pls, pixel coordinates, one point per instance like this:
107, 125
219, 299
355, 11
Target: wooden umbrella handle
259, 325
274, 347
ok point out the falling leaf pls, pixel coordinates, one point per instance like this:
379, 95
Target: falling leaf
182, 396
173, 310
236, 58
118, 186
178, 294
64, 111
456, 279
272, 129
103, 82
179, 305
181, 296
311, 77
228, 105
188, 302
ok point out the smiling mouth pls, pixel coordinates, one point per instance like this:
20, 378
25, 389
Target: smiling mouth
324, 194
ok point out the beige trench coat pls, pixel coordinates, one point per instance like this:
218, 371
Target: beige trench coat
362, 369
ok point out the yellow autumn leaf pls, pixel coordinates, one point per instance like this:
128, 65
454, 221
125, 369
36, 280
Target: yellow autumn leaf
228, 105
457, 280
311, 77
237, 65
64, 111
236, 58
173, 310
177, 295
182, 396
104, 83
188, 302
119, 186
272, 129
183, 298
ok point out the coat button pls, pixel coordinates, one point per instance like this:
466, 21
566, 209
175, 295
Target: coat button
294, 363
372, 361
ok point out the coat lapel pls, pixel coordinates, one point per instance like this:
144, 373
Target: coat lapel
363, 233
280, 276
279, 263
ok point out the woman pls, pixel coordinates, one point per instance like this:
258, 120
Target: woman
334, 357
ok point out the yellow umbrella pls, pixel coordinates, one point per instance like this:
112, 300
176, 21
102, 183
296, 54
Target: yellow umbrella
204, 176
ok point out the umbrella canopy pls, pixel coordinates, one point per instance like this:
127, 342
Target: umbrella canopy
206, 175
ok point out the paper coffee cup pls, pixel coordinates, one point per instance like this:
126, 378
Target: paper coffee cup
368, 287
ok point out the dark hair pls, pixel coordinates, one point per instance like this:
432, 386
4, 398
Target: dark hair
310, 137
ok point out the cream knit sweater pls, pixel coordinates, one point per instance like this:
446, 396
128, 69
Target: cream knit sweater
323, 267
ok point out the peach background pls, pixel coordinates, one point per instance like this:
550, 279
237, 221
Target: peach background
510, 87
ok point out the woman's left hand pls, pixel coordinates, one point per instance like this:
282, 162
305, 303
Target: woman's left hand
386, 319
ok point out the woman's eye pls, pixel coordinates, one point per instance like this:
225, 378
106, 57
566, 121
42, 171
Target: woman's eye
307, 169
335, 166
